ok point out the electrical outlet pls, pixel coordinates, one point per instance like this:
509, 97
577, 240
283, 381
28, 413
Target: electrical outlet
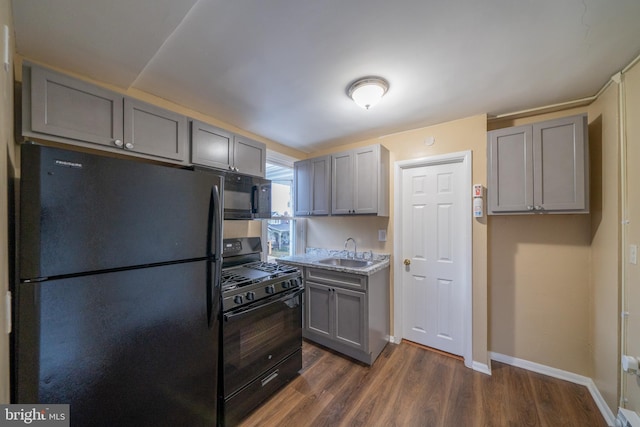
382, 235
633, 254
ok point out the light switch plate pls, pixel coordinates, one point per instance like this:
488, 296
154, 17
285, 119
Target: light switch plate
633, 254
382, 235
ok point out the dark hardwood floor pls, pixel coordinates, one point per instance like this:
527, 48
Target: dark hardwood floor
411, 386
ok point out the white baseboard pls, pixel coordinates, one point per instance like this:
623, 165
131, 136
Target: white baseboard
608, 415
481, 367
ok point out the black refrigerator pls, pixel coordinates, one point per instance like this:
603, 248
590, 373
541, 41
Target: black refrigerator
116, 310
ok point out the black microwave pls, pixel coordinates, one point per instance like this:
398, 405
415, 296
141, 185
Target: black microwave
246, 197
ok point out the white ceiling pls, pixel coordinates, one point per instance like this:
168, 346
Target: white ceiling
280, 68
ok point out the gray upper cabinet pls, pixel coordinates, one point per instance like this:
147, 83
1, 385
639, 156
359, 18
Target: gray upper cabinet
312, 186
540, 168
61, 106
360, 181
154, 131
211, 146
249, 156
64, 109
218, 148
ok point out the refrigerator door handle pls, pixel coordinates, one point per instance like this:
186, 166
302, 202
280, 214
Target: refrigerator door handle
217, 225
215, 249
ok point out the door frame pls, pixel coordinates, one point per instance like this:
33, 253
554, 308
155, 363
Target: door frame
465, 158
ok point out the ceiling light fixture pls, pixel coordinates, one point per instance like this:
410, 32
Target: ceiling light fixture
368, 91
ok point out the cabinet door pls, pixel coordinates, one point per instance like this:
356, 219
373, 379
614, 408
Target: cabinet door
249, 157
65, 107
511, 170
321, 185
342, 183
560, 169
211, 146
154, 131
302, 187
365, 184
349, 311
318, 309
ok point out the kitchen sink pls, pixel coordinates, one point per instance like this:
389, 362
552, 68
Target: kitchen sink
346, 262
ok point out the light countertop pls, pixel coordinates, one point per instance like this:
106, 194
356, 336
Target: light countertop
313, 255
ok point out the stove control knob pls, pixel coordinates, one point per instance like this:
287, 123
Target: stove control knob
286, 284
270, 289
251, 296
238, 299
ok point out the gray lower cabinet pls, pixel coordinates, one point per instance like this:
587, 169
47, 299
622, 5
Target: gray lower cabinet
360, 181
312, 186
61, 108
218, 148
539, 168
347, 312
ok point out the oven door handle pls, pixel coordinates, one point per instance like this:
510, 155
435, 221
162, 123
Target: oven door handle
261, 305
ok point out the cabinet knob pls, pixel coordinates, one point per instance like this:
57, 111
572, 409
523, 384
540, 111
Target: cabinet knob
538, 208
128, 145
117, 142
407, 261
529, 208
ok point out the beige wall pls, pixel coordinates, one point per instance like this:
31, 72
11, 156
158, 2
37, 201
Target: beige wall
539, 290
238, 228
631, 83
605, 244
554, 280
459, 135
7, 160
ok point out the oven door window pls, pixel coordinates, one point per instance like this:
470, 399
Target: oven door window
258, 337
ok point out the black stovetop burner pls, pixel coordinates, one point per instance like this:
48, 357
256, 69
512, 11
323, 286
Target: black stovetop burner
253, 272
247, 280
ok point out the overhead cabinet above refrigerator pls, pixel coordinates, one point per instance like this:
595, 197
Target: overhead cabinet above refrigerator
61, 108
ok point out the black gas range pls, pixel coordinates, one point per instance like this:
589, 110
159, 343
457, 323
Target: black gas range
261, 327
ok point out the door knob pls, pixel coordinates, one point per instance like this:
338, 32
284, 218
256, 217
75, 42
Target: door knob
407, 262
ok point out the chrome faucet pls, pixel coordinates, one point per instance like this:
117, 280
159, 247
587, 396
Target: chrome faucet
355, 246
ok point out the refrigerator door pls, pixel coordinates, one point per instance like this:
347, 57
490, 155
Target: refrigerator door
126, 348
83, 213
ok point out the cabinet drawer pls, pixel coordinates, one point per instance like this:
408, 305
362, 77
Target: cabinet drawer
337, 278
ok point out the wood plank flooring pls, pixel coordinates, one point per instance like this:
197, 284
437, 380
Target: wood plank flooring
411, 386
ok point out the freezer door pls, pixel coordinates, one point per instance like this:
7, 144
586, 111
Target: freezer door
83, 213
129, 348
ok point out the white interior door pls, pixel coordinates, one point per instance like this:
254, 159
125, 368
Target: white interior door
433, 253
